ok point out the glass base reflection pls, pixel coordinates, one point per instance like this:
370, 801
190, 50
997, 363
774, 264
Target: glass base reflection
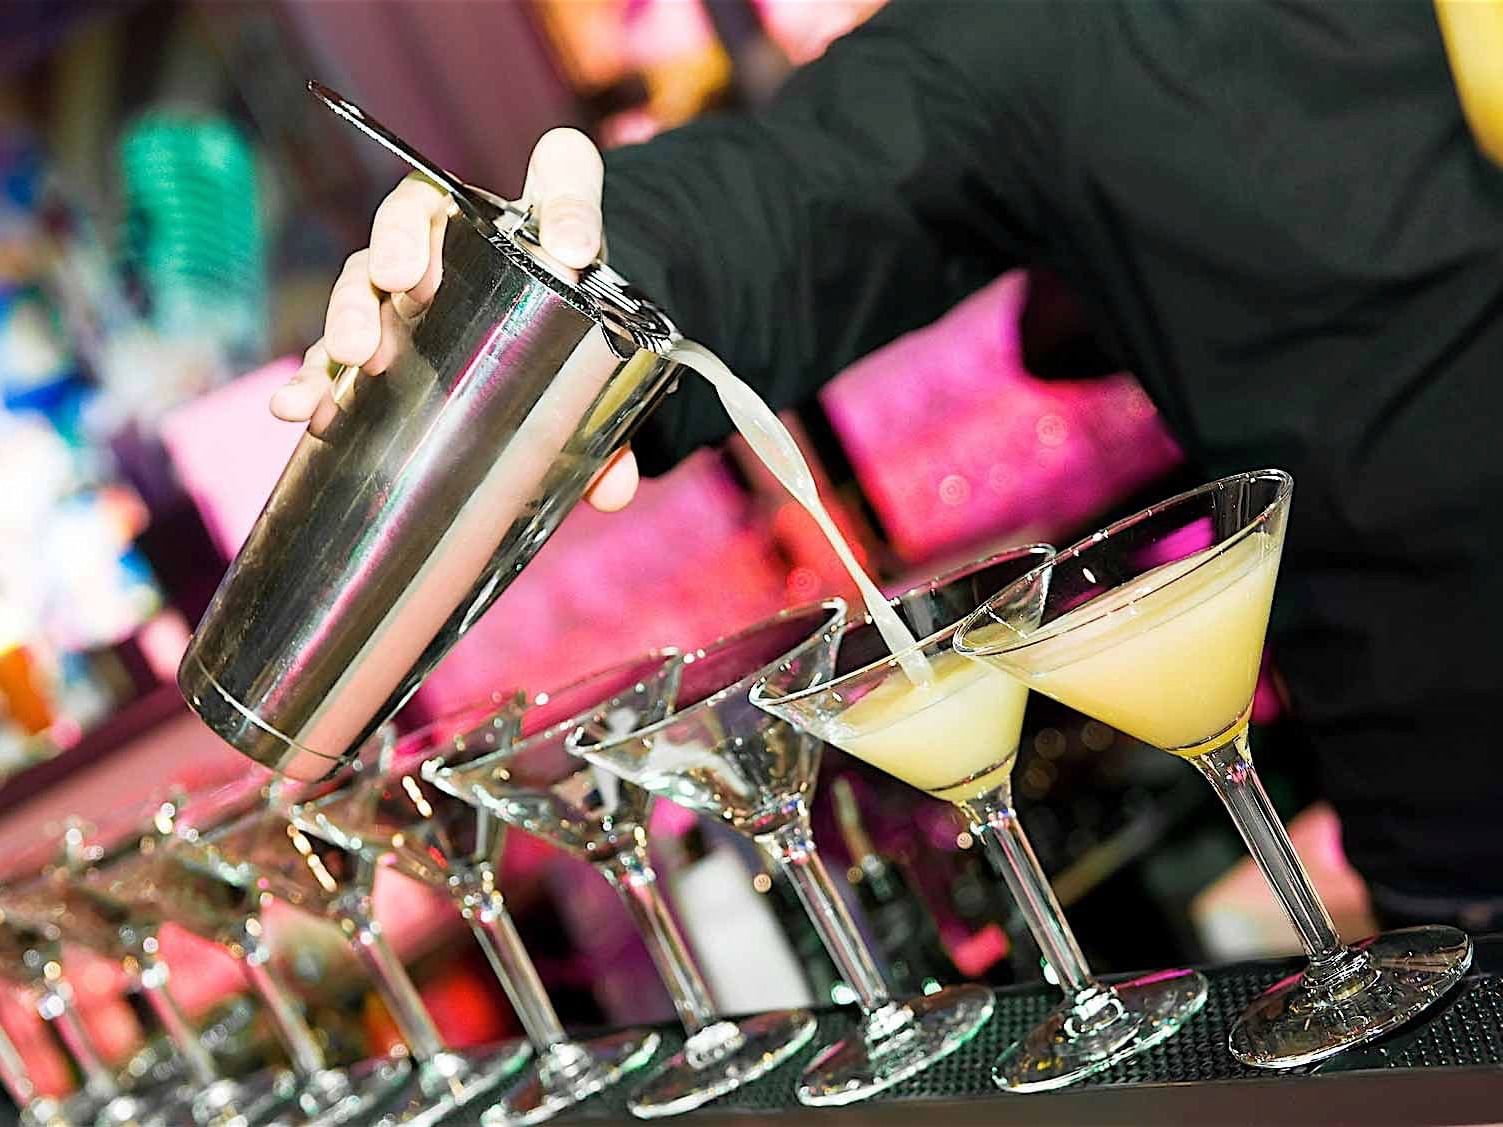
894, 1043
1100, 1030
433, 1089
569, 1074
247, 1102
345, 1095
721, 1058
1370, 989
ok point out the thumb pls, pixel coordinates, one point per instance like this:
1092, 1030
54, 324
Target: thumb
565, 179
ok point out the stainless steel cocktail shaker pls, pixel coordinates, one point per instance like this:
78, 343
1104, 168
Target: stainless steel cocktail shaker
418, 494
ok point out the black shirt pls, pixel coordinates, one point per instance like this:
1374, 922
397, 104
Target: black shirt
1279, 217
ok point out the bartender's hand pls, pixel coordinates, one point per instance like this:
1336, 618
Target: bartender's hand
400, 271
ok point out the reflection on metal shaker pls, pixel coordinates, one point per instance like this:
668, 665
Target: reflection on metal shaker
418, 494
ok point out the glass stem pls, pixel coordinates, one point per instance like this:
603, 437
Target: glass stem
1229, 770
184, 1038
995, 822
390, 978
55, 1004
631, 874
484, 909
792, 849
255, 960
13, 1073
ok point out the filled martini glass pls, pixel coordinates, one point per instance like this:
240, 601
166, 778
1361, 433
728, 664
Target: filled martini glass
955, 736
534, 784
1155, 626
720, 755
393, 817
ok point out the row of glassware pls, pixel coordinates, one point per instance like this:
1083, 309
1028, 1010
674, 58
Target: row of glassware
1169, 606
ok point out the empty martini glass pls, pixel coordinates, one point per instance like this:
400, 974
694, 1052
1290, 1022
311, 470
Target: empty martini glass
31, 952
536, 785
37, 1110
183, 878
71, 896
264, 851
1155, 626
722, 756
396, 818
956, 737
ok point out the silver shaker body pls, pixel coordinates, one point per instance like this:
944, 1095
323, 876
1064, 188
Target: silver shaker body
414, 498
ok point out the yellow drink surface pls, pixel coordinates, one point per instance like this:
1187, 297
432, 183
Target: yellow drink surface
955, 737
1171, 657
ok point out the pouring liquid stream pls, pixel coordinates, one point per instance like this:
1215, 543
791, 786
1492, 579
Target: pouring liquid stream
771, 442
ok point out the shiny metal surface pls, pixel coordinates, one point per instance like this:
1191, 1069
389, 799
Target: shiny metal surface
417, 495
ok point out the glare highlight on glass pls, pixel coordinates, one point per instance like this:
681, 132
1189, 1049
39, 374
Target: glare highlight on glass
1156, 625
536, 785
956, 737
720, 755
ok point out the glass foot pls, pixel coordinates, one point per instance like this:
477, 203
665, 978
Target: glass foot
1104, 1026
345, 1095
720, 1059
570, 1073
247, 1101
433, 1089
47, 1111
894, 1043
141, 1109
225, 1103
1375, 987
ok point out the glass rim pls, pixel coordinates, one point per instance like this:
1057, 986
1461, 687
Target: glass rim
658, 658
834, 609
762, 693
365, 767
1084, 544
194, 808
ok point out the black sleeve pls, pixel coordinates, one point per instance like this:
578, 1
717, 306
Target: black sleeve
890, 178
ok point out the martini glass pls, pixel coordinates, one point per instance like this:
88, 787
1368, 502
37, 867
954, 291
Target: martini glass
956, 738
113, 895
266, 851
178, 876
395, 818
37, 1110
31, 957
536, 785
722, 756
1155, 626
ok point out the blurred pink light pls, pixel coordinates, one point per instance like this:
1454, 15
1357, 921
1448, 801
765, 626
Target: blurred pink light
228, 450
956, 443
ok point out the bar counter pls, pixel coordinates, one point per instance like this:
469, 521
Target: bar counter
1446, 1068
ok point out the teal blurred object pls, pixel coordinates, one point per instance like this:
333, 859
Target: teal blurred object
194, 235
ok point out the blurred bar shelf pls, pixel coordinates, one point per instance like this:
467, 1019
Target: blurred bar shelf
135, 720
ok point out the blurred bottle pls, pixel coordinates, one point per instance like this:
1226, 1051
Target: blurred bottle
744, 954
23, 684
193, 230
904, 928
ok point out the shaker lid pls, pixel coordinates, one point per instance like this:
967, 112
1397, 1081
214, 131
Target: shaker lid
631, 320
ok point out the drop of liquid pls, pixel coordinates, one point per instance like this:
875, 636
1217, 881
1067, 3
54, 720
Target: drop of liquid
770, 441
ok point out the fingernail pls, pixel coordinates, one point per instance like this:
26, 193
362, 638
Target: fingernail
572, 241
